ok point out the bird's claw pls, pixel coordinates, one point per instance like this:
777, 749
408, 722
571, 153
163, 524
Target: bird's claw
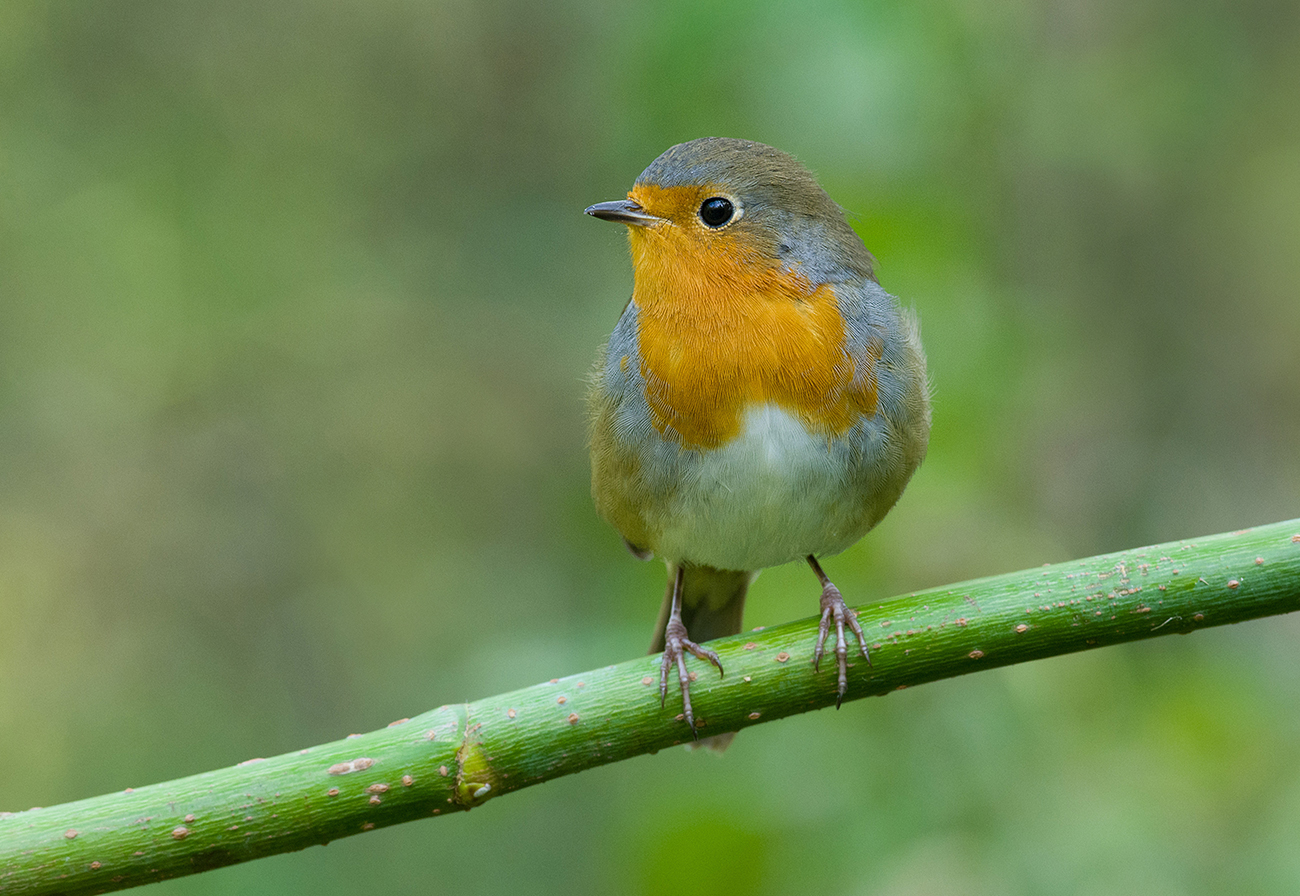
676, 646
833, 607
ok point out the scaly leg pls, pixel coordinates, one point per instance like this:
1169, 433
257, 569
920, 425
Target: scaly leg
833, 607
676, 645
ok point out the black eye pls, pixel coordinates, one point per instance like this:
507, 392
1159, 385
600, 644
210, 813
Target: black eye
716, 211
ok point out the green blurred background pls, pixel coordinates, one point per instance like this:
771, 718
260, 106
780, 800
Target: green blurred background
296, 303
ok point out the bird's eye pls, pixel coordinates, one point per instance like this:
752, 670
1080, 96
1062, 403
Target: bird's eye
716, 211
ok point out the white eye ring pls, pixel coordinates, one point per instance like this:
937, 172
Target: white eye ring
717, 212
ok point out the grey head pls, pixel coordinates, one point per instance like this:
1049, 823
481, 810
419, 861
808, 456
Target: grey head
782, 204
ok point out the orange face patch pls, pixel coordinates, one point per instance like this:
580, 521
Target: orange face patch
722, 326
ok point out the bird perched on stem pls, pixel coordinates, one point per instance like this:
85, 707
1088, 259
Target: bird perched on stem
761, 400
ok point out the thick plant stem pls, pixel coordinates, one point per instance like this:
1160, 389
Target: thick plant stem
459, 757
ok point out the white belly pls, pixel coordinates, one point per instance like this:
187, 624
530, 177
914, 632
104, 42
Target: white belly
773, 494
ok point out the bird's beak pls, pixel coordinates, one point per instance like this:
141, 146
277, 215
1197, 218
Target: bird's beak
623, 211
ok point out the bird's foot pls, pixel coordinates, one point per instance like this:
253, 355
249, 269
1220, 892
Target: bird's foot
834, 609
676, 646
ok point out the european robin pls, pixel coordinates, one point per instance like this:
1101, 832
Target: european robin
761, 400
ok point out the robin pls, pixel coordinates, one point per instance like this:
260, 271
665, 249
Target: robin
761, 400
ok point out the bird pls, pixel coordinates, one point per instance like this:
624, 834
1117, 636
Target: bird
761, 400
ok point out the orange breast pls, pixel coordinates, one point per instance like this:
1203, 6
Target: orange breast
721, 327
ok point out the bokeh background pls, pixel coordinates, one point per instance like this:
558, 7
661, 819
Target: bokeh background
296, 303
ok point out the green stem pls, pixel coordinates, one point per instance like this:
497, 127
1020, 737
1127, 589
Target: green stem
458, 757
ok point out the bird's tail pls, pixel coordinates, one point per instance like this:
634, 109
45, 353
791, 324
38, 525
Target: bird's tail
713, 601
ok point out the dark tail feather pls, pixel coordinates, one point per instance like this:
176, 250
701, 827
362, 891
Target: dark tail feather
713, 601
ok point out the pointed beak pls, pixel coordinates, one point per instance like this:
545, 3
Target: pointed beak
622, 211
